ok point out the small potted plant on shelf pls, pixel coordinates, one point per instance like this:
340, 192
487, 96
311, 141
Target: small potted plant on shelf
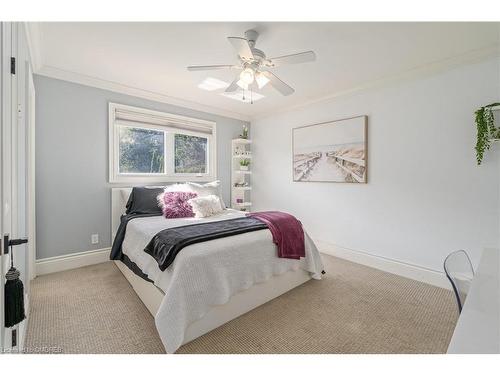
244, 164
245, 132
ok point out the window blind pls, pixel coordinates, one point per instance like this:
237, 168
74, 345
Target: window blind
129, 116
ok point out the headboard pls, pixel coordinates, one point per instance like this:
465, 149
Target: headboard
119, 198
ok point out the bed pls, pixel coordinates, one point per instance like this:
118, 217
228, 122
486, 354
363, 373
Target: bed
209, 283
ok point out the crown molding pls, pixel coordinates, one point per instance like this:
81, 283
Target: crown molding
471, 57
65, 75
34, 38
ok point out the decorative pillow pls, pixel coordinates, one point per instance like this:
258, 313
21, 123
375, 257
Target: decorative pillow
176, 204
170, 188
210, 188
142, 200
178, 187
206, 206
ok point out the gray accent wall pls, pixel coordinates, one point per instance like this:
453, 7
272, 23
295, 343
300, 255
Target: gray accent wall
73, 196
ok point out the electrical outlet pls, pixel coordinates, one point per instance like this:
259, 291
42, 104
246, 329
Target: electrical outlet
94, 239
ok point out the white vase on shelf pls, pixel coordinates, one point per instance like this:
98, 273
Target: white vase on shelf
243, 167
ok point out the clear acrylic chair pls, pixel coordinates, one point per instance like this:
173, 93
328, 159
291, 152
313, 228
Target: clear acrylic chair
459, 271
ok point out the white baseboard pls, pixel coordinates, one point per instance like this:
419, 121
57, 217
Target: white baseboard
411, 271
68, 262
407, 270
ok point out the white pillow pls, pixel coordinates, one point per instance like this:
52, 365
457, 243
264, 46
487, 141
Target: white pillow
210, 188
206, 206
178, 187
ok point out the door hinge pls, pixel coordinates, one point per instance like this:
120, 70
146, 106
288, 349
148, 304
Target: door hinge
12, 65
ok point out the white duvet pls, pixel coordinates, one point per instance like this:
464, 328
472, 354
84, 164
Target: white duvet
208, 273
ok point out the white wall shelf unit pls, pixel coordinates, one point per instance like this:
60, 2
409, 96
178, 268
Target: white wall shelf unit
240, 178
242, 156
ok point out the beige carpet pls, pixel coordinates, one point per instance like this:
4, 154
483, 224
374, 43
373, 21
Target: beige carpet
354, 309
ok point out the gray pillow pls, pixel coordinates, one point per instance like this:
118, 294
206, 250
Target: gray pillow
143, 200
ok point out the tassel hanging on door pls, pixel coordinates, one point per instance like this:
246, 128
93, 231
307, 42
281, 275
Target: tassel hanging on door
14, 296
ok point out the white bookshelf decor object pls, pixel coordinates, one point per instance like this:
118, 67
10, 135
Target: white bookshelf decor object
241, 174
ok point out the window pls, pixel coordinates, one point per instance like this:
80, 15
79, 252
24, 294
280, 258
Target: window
150, 146
141, 150
190, 154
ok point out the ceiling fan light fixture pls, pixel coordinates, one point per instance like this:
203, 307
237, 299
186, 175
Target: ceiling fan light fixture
242, 84
261, 80
250, 61
247, 76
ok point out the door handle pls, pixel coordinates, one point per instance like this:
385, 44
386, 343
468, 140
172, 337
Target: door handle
7, 243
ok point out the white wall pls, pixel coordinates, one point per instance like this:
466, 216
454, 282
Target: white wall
425, 195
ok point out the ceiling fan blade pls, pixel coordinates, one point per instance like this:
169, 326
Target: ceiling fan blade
278, 84
242, 47
234, 85
296, 58
210, 67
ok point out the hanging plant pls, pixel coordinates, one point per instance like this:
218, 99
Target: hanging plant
486, 130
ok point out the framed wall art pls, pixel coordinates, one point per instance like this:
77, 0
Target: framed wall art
334, 151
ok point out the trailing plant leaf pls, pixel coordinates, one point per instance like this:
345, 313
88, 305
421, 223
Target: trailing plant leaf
486, 130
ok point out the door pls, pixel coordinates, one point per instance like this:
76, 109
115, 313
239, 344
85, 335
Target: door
5, 175
15, 174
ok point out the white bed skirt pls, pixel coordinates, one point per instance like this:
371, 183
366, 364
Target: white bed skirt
238, 304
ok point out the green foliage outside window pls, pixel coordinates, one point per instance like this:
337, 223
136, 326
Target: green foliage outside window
141, 150
190, 154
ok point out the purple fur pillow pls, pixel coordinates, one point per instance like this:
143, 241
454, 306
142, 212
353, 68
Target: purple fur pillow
176, 205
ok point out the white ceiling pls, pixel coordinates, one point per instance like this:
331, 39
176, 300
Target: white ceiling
154, 56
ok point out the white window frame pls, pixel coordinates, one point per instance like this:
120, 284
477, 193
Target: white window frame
169, 174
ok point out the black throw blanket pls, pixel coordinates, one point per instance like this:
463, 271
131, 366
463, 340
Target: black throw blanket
116, 249
166, 244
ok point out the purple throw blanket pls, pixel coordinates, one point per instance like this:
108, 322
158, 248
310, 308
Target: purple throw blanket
287, 233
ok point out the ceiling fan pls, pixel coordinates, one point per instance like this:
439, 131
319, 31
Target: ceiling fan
254, 65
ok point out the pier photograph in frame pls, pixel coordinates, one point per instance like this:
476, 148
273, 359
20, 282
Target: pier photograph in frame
333, 151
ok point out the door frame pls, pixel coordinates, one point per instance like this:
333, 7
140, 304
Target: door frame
30, 170
17, 101
5, 160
